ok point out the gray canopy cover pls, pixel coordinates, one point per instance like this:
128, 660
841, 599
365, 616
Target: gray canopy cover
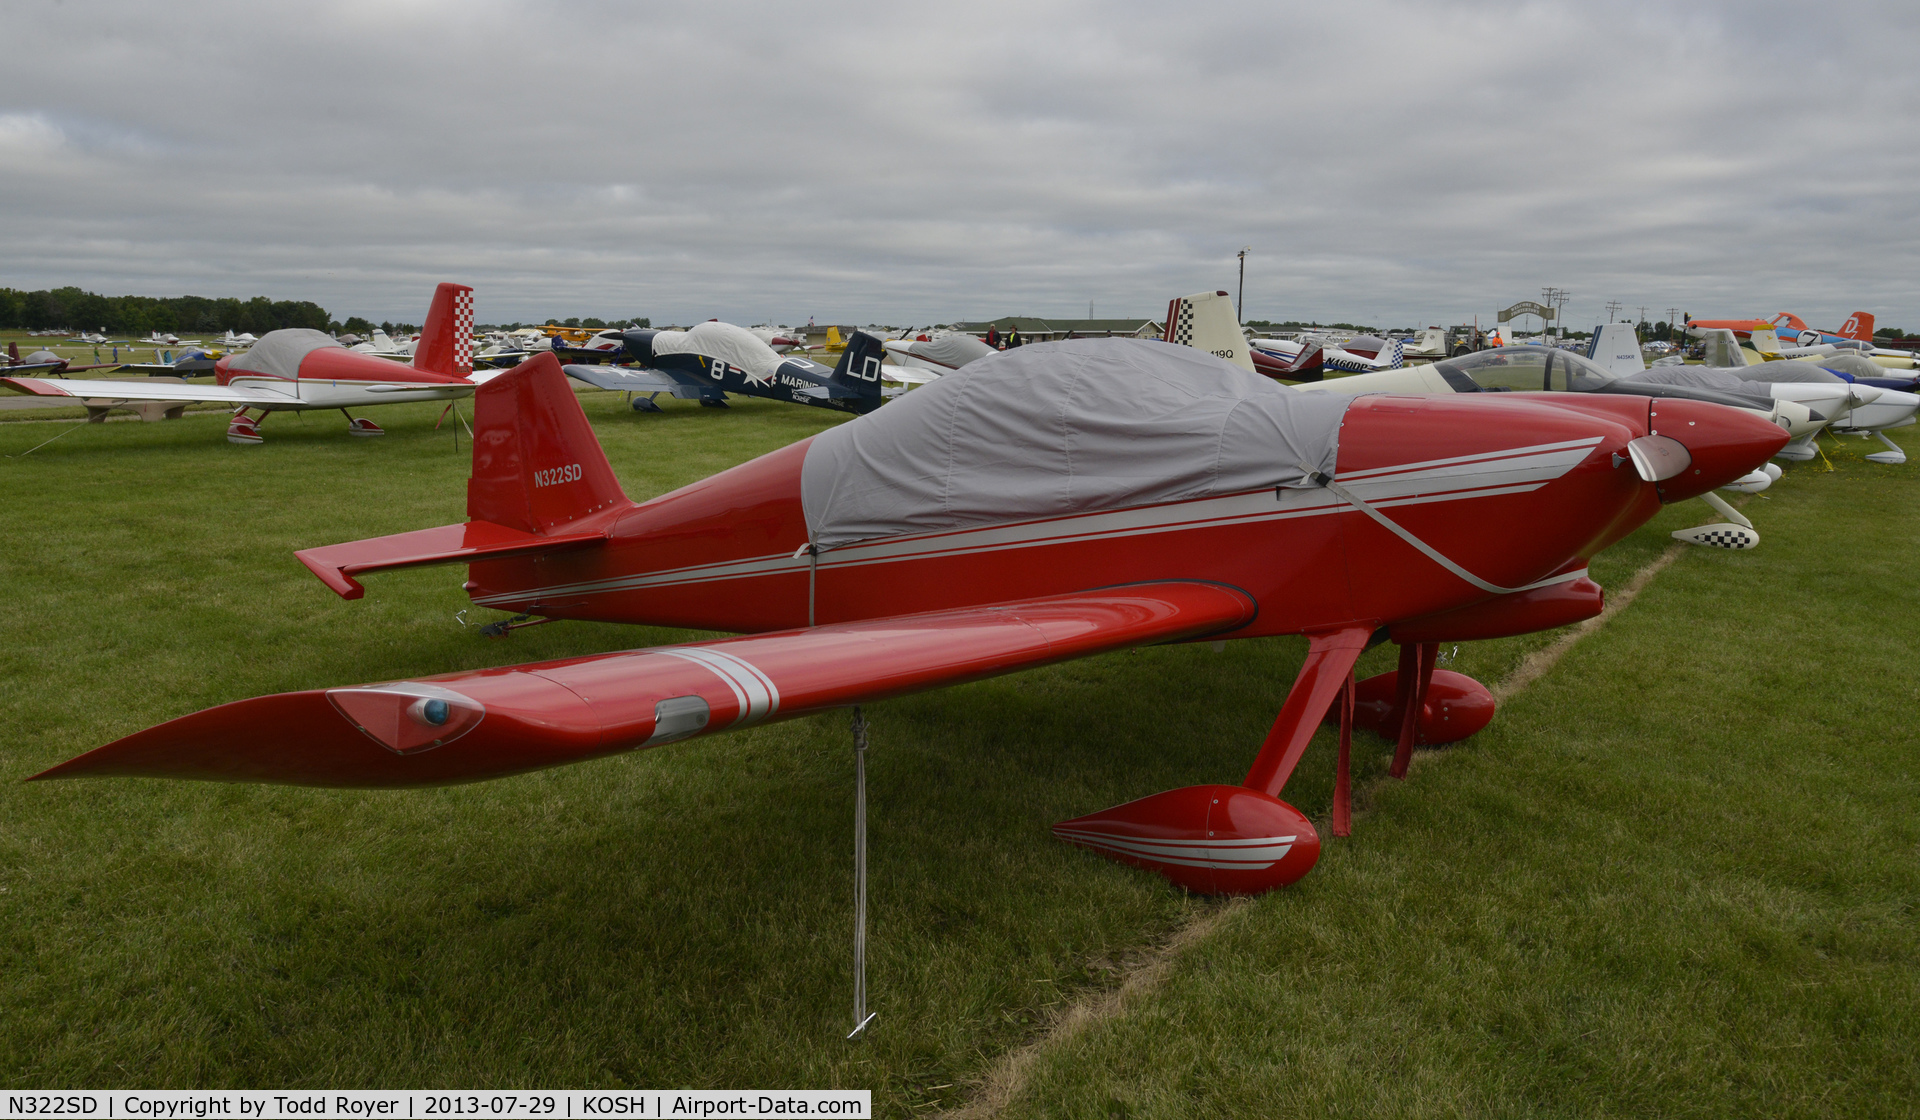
1700, 377
1061, 428
952, 350
279, 353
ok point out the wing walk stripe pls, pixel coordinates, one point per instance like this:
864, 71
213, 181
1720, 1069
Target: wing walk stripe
748, 694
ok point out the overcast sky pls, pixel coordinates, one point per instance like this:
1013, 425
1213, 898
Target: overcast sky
1392, 163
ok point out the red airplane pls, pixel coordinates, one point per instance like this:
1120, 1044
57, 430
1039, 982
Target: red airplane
1038, 505
299, 370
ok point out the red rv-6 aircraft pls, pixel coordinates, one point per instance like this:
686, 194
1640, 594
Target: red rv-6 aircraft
1038, 505
300, 370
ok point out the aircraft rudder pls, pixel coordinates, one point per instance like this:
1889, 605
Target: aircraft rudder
860, 364
446, 339
1207, 321
1859, 326
536, 463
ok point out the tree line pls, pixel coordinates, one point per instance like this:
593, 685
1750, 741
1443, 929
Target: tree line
74, 309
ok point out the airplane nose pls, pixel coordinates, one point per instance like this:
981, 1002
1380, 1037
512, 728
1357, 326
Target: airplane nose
1723, 443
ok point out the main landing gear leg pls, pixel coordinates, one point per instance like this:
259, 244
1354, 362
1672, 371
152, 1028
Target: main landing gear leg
1330, 659
1343, 773
1414, 678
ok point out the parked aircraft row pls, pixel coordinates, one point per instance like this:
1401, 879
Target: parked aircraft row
1023, 508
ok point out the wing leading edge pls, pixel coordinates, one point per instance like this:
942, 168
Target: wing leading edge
494, 722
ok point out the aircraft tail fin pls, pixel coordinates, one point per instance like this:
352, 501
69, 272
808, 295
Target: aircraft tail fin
1206, 321
1617, 348
834, 341
1720, 348
446, 341
1399, 360
860, 365
536, 463
1858, 325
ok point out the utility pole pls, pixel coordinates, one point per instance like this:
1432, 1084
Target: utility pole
1241, 299
1613, 306
1642, 319
1556, 298
1672, 314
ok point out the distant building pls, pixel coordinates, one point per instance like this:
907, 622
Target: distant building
1048, 330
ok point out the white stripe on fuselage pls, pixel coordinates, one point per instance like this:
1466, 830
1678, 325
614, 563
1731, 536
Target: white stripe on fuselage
1514, 471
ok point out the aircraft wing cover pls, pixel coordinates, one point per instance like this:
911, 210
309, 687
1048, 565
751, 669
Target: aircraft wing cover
279, 353
1062, 428
1790, 373
1699, 377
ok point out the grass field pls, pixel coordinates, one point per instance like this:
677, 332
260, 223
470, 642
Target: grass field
1677, 876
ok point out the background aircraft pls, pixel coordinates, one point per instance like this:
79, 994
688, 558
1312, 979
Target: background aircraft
917, 361
715, 358
299, 370
999, 518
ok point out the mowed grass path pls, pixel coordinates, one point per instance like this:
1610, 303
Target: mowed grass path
1675, 876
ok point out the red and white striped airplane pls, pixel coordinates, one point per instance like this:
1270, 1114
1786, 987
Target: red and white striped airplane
299, 370
1038, 505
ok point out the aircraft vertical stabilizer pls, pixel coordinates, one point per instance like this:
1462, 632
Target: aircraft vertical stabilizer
1616, 347
1720, 348
1206, 321
860, 365
1858, 325
536, 462
446, 341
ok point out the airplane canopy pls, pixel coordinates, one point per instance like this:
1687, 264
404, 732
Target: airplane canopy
279, 353
1061, 428
1532, 369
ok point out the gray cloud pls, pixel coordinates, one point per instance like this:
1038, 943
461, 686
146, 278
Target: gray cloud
1386, 161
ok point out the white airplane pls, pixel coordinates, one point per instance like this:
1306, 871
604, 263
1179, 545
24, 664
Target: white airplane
916, 361
1359, 354
298, 370
231, 342
1852, 408
1432, 343
382, 345
782, 339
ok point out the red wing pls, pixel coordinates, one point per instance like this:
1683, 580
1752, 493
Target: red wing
485, 724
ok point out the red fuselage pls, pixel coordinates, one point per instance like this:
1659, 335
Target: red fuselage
1513, 489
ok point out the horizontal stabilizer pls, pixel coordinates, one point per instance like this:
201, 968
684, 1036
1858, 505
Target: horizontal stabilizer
338, 564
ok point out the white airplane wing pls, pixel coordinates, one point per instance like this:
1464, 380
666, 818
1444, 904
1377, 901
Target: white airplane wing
628, 380
140, 391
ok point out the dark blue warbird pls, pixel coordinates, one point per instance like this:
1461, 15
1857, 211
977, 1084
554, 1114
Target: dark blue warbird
715, 358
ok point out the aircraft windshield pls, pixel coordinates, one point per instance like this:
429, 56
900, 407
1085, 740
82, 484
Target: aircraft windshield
1528, 369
